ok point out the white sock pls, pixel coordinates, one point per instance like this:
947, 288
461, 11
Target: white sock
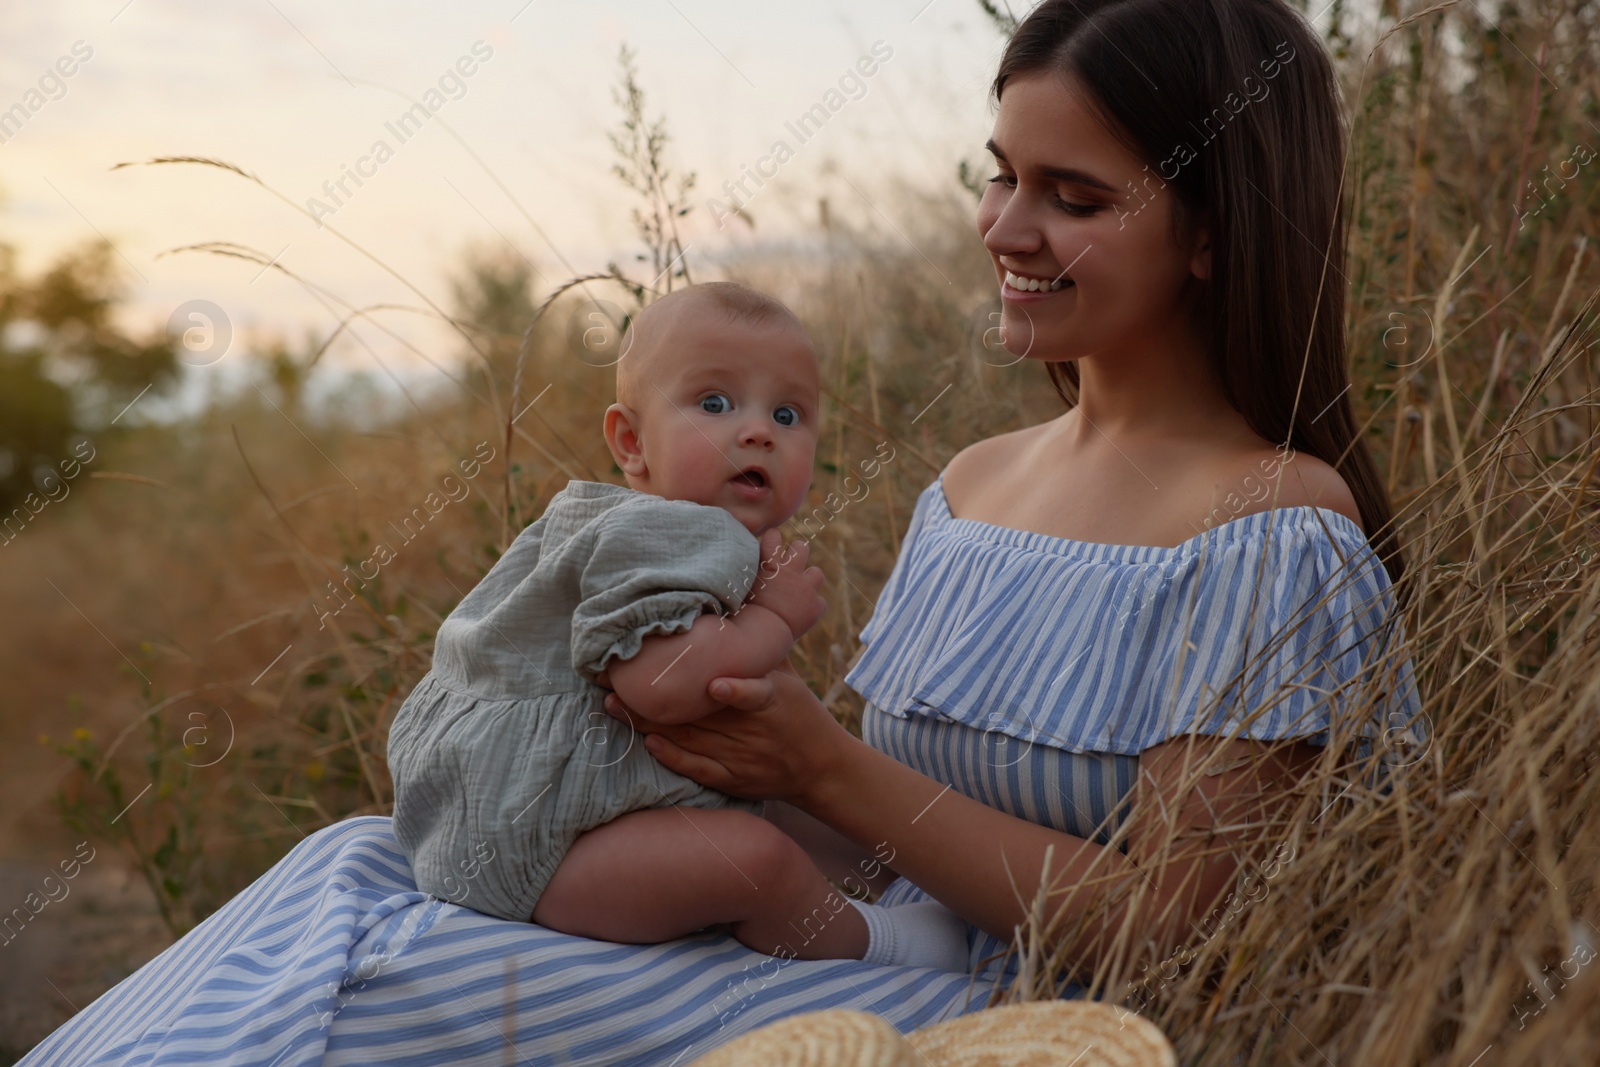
923, 934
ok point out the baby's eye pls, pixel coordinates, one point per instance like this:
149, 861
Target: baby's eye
787, 416
716, 404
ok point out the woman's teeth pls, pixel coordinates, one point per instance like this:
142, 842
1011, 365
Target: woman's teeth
1034, 285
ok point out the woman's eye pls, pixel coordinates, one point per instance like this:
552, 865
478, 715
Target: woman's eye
716, 404
787, 416
1076, 209
1006, 179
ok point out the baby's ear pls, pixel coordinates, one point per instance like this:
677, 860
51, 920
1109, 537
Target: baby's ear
622, 437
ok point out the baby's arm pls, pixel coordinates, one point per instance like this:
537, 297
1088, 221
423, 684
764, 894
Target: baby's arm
666, 682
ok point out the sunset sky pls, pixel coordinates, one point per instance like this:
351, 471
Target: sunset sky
290, 91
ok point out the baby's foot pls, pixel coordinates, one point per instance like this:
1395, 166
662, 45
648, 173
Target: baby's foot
923, 934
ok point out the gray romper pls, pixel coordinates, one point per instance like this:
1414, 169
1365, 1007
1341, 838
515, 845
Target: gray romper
502, 755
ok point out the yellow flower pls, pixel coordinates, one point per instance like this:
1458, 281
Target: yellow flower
314, 771
82, 734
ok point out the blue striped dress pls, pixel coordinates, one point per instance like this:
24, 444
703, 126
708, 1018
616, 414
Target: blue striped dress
1023, 670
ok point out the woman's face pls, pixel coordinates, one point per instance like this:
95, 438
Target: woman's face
1074, 212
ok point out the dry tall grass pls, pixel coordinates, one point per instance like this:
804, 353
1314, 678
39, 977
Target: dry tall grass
1441, 921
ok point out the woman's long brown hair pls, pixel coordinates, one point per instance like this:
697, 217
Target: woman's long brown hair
1235, 106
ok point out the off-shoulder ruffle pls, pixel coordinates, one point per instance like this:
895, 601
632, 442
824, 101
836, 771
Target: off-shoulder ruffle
1263, 627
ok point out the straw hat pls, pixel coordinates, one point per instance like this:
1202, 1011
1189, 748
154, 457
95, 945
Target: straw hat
834, 1038
1039, 1034
1049, 1033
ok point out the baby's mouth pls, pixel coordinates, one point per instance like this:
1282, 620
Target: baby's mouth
754, 477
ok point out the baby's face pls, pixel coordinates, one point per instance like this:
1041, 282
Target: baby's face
730, 418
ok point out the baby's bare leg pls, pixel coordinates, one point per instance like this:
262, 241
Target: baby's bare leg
659, 874
835, 855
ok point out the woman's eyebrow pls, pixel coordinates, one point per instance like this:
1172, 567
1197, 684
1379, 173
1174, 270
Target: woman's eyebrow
1064, 174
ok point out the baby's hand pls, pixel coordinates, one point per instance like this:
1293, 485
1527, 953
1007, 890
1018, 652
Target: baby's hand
787, 587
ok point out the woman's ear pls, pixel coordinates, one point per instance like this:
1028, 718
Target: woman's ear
622, 437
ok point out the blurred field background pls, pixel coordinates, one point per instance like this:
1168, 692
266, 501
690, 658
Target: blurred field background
183, 697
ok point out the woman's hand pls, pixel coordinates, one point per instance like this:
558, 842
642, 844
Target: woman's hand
772, 740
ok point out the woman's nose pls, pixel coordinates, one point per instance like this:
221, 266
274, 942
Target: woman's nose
1013, 231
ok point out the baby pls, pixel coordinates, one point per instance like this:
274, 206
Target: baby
516, 795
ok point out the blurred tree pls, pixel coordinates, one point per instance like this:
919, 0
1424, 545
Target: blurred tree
73, 302
66, 369
288, 367
35, 424
493, 292
491, 297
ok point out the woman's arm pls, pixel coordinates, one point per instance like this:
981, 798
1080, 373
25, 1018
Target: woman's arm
968, 855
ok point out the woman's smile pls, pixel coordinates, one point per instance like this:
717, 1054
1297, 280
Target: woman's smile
1024, 288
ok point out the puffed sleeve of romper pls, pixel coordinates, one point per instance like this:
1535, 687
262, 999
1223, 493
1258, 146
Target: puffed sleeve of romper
656, 566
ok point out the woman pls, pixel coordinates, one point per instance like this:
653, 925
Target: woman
1062, 635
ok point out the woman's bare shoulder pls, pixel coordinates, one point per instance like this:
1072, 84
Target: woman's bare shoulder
1295, 479
982, 461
